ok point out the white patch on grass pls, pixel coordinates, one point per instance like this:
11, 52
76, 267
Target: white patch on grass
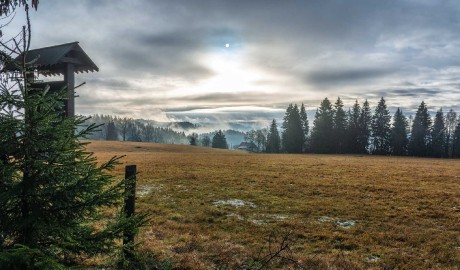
279, 217
372, 258
347, 224
143, 191
258, 221
325, 219
234, 202
262, 219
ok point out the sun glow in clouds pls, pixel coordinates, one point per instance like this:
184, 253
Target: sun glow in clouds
232, 74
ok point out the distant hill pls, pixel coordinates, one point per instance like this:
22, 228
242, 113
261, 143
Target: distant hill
186, 126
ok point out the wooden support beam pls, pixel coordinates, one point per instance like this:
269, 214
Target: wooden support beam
69, 79
130, 205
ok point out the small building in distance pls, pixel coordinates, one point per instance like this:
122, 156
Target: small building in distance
247, 146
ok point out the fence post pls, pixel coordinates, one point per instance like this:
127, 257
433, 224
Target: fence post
130, 201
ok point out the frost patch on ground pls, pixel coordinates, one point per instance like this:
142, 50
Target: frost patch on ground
457, 247
234, 202
373, 258
143, 191
325, 219
347, 224
265, 219
258, 221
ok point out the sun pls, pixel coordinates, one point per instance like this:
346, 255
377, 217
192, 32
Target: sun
227, 45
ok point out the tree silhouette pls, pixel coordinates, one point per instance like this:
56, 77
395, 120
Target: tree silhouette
438, 135
420, 132
381, 131
399, 138
273, 139
219, 140
322, 140
365, 121
293, 134
340, 126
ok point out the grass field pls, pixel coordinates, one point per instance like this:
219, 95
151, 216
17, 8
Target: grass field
210, 207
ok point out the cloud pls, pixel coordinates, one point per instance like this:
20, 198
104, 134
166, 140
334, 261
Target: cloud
154, 55
338, 77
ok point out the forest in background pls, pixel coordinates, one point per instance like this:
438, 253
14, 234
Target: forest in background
360, 130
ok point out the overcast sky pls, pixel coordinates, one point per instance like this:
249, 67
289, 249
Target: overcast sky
245, 60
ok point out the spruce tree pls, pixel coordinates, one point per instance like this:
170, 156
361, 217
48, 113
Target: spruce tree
340, 126
451, 123
365, 120
54, 197
399, 138
322, 140
305, 127
293, 136
456, 141
273, 139
285, 126
206, 141
420, 133
438, 135
111, 132
381, 131
219, 140
353, 129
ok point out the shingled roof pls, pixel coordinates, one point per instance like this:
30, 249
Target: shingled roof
52, 60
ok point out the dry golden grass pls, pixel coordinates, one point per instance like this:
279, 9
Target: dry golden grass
406, 210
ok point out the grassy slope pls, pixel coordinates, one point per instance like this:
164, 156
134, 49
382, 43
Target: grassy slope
406, 209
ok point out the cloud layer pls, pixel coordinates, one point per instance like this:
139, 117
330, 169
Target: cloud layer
162, 58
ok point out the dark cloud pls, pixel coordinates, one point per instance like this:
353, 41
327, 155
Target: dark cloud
336, 78
410, 92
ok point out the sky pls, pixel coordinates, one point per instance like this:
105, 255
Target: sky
246, 60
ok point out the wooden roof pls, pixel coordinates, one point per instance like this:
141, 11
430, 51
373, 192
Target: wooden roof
52, 60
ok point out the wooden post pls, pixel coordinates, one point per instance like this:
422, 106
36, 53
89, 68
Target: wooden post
69, 79
130, 203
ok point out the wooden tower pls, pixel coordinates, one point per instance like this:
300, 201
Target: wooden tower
65, 59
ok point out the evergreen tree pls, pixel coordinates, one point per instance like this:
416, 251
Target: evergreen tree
193, 139
340, 126
438, 135
420, 132
111, 132
353, 130
381, 131
219, 140
293, 133
261, 139
206, 141
52, 191
456, 141
273, 139
451, 123
305, 127
285, 126
399, 138
322, 140
365, 120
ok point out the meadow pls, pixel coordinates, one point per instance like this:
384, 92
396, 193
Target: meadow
214, 208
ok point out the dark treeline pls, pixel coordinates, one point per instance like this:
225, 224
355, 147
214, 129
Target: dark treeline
128, 129
362, 130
